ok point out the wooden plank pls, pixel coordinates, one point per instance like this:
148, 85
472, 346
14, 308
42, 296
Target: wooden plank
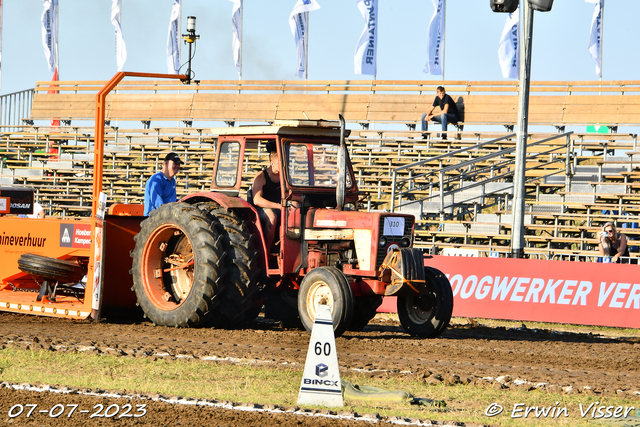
46, 106
406, 102
352, 106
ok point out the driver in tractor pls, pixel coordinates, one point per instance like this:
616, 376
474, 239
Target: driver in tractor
266, 195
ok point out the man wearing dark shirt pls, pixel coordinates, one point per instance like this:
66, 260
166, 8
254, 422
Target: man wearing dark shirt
267, 196
448, 114
161, 187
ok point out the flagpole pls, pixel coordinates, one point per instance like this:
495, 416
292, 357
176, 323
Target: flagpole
178, 32
601, 34
56, 47
240, 37
444, 31
306, 47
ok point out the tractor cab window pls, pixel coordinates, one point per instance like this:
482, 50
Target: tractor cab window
313, 164
228, 157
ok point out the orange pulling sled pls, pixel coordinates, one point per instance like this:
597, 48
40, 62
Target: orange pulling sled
56, 267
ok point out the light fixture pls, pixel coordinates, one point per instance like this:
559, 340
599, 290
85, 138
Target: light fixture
190, 38
191, 24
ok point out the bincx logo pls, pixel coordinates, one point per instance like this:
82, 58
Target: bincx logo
322, 370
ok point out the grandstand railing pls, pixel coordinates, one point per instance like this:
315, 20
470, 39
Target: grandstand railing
593, 258
397, 184
14, 107
414, 87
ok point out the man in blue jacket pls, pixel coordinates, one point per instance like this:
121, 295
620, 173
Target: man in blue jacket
161, 187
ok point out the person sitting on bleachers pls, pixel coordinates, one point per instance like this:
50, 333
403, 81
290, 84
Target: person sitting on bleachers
448, 112
612, 243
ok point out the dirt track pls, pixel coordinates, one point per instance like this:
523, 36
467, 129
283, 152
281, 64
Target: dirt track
557, 362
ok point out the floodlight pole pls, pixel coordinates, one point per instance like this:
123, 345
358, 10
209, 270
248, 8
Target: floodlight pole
524, 75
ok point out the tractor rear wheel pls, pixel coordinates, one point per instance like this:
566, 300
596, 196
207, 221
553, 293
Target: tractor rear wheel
178, 264
51, 268
240, 298
427, 314
326, 285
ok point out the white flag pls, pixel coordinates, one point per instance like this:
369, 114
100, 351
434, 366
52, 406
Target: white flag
595, 40
435, 40
508, 47
173, 45
298, 24
236, 44
121, 49
365, 58
50, 32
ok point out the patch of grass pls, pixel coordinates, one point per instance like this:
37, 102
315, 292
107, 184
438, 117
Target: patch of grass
148, 375
279, 385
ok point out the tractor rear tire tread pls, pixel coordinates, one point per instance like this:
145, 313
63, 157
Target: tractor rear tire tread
240, 298
201, 300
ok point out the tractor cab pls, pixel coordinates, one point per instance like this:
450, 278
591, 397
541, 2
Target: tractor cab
309, 157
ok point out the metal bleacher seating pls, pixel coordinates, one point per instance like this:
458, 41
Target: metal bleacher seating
567, 198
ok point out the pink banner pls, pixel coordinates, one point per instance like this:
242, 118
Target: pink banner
583, 293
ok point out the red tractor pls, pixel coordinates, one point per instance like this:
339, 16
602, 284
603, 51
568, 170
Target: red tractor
204, 261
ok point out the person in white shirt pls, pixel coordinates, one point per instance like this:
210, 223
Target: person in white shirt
38, 212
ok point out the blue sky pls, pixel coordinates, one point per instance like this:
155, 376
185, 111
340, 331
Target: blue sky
87, 52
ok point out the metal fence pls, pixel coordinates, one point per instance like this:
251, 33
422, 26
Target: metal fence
446, 185
14, 107
593, 258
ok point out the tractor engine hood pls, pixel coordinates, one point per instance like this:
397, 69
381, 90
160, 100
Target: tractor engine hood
332, 218
374, 233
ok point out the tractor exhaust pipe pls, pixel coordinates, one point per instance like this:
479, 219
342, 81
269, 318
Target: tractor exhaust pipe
341, 188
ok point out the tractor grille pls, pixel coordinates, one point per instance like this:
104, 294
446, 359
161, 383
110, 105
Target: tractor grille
382, 250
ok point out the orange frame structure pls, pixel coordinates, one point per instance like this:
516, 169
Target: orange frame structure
97, 241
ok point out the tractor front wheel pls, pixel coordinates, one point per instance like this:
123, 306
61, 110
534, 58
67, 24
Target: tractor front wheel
427, 314
329, 286
178, 264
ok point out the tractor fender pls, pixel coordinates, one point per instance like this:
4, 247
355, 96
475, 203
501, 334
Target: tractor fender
225, 200
232, 202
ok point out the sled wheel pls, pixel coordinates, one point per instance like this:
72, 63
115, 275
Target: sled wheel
364, 309
427, 313
447, 296
178, 264
329, 286
241, 302
51, 268
283, 306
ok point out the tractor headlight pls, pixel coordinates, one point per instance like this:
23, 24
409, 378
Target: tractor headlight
383, 241
405, 242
